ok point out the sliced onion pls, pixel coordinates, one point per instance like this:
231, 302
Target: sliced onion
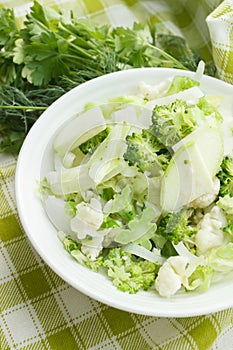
55, 209
182, 250
68, 159
80, 128
191, 96
144, 253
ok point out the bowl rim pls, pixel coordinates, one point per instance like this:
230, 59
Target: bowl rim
174, 307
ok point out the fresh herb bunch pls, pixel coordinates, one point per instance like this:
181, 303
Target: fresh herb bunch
54, 52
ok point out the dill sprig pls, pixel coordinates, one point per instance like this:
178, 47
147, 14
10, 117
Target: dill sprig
18, 112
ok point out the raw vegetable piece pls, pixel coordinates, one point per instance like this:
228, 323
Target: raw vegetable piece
107, 161
139, 227
200, 279
71, 201
142, 151
79, 130
88, 219
209, 106
182, 250
153, 197
122, 204
168, 249
210, 232
173, 122
69, 159
171, 275
225, 176
226, 204
70, 180
55, 208
199, 71
190, 96
186, 178
209, 142
135, 116
120, 102
176, 226
221, 259
180, 83
228, 230
91, 144
74, 249
144, 253
128, 273
179, 271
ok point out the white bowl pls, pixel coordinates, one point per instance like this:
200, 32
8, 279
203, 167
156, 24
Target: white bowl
35, 159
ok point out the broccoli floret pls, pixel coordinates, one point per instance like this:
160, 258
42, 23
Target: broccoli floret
90, 145
176, 226
225, 176
170, 123
129, 273
142, 152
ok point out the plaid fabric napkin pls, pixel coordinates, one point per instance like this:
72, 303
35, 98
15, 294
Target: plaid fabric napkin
220, 23
38, 310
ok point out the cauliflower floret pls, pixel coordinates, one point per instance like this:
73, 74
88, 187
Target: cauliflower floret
210, 233
172, 275
88, 219
206, 199
168, 282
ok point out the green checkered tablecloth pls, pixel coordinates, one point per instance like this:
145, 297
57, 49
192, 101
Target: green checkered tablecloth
38, 310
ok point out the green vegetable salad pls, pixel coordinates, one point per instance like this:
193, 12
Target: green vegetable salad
142, 188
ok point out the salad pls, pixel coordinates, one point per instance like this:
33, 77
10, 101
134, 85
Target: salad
142, 188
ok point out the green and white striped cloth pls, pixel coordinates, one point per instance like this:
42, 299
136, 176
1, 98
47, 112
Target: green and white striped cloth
220, 23
38, 310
